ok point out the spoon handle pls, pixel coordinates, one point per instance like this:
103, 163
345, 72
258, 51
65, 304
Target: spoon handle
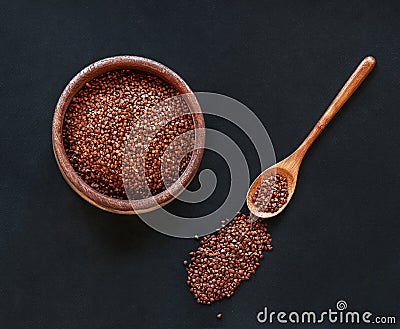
344, 94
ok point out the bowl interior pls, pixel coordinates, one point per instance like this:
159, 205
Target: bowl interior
75, 181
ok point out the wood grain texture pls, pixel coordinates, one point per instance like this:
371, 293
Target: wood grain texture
289, 167
72, 178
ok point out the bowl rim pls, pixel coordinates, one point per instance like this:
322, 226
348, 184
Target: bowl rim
93, 70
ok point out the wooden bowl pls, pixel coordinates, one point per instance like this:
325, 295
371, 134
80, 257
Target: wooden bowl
70, 175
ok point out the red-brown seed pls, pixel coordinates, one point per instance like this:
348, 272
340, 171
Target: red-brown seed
99, 119
227, 258
272, 194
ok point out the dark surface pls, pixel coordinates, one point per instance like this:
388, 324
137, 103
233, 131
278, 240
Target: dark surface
65, 264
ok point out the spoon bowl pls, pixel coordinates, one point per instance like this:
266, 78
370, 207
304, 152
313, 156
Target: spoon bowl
289, 167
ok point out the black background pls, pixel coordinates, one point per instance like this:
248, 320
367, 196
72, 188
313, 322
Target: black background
66, 264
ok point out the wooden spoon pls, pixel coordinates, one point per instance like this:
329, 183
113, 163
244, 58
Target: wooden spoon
289, 167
